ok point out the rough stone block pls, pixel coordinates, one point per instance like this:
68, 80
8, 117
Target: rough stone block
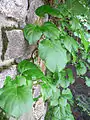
34, 4
8, 72
12, 13
17, 46
5, 23
16, 9
39, 110
0, 46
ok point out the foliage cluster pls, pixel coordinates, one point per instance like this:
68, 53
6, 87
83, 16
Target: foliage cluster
61, 41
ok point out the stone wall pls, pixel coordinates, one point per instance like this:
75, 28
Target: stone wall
14, 14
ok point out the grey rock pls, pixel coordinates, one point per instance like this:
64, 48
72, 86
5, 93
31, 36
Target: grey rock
0, 46
17, 46
39, 110
16, 9
8, 72
36, 91
34, 4
6, 63
12, 13
5, 23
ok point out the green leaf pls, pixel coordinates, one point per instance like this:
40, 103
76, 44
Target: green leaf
87, 81
69, 3
84, 41
77, 4
50, 30
46, 9
16, 100
75, 24
49, 90
54, 98
70, 44
63, 102
54, 102
20, 80
65, 78
84, 55
30, 70
63, 11
49, 51
70, 75
46, 91
56, 93
88, 58
32, 33
69, 115
66, 93
62, 112
57, 113
81, 68
8, 81
62, 80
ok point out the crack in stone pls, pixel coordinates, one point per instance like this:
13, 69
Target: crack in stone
11, 28
12, 19
5, 39
9, 18
26, 20
28, 4
4, 43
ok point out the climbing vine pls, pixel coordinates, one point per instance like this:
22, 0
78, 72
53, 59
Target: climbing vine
61, 41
